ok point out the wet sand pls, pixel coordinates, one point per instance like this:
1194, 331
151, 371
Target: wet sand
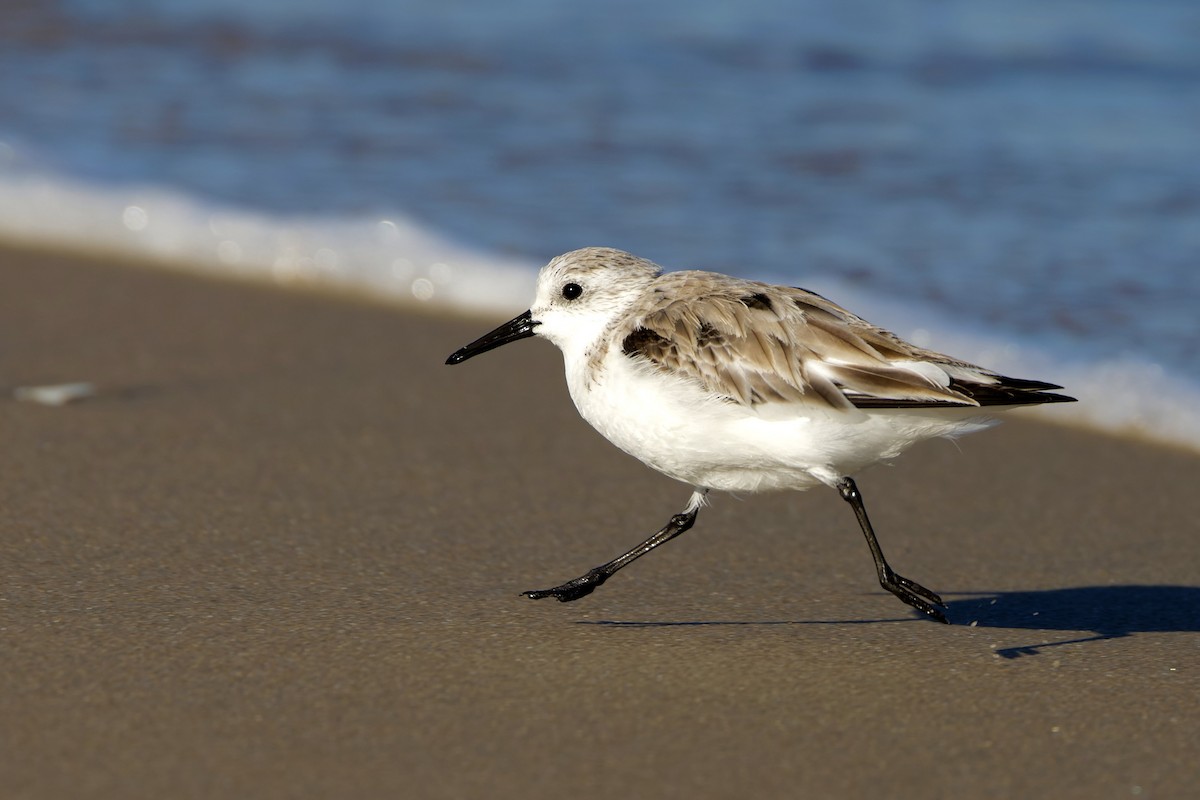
279, 555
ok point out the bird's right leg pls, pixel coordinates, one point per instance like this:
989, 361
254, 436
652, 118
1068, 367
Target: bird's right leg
586, 584
907, 590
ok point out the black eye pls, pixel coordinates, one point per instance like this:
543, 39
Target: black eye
572, 290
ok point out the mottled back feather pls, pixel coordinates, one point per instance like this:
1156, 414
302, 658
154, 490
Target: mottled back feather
755, 343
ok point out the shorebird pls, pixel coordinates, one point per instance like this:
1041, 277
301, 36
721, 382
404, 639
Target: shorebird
735, 385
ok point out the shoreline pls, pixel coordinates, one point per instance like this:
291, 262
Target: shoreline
278, 554
362, 294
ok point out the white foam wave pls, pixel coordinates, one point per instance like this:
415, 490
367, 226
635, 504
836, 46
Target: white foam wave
396, 259
388, 256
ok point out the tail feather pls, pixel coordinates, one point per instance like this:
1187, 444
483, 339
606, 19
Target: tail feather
1006, 392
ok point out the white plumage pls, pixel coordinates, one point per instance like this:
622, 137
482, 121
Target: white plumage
736, 385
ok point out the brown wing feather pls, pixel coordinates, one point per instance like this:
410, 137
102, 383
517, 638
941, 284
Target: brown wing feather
756, 343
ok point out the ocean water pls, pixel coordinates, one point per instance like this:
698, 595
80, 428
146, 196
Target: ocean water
1015, 183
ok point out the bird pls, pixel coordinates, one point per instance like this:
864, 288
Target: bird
734, 385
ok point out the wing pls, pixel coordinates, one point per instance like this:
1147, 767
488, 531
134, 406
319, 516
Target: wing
755, 343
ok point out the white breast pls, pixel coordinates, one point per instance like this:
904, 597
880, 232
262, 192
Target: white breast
674, 426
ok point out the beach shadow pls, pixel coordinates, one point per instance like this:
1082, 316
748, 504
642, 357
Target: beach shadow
700, 623
1106, 612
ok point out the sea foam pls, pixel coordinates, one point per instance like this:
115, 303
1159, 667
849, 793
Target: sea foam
393, 258
386, 256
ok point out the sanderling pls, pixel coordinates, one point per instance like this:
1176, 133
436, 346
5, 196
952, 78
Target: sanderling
742, 386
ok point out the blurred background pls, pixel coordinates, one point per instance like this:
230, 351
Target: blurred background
1014, 182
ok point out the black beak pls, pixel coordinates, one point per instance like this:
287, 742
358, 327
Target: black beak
519, 328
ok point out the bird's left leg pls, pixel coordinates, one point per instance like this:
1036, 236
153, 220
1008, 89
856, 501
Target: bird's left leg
909, 591
586, 584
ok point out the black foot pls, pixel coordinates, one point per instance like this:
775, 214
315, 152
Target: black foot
915, 595
571, 590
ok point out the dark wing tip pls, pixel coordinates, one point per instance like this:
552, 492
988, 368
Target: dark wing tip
1026, 385
1009, 392
1012, 392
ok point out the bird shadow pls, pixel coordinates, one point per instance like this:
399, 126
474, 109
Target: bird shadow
1106, 612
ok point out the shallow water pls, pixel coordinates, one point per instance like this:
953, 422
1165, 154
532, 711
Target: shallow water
1022, 173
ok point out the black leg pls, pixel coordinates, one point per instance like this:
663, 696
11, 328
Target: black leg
910, 592
587, 583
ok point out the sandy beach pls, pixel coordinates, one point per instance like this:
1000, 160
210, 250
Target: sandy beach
279, 554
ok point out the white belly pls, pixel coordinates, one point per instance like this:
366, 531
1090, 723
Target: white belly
677, 428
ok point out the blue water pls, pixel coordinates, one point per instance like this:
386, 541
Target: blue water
1025, 170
